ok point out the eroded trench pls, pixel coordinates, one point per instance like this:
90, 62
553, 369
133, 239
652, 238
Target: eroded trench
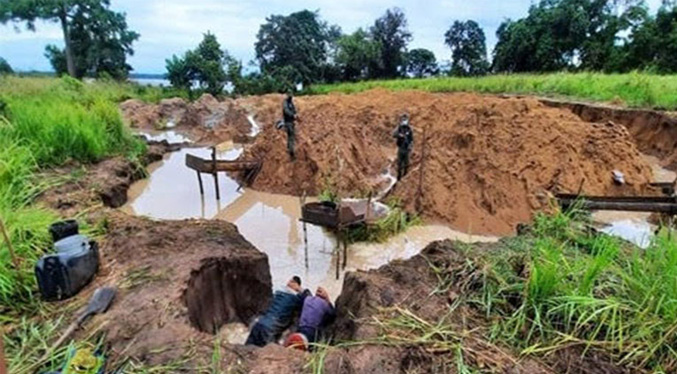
215, 295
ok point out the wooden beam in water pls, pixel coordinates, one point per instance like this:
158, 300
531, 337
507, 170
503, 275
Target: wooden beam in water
622, 203
215, 174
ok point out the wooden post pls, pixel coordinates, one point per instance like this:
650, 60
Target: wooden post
345, 250
419, 196
199, 179
216, 174
305, 230
580, 187
12, 254
338, 255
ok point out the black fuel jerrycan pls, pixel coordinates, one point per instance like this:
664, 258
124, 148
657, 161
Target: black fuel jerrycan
74, 264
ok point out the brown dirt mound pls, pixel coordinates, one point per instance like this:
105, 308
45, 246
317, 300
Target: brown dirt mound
206, 120
489, 159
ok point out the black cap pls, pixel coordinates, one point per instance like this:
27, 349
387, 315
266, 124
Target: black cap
296, 279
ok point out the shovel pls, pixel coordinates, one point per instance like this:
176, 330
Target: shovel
99, 303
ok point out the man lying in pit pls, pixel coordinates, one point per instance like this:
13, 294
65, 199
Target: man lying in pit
279, 316
317, 313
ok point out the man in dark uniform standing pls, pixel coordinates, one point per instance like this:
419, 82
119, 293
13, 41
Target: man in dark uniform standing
404, 136
289, 115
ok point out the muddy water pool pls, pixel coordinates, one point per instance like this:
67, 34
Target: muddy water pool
270, 222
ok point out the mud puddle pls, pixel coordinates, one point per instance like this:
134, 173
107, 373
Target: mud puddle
634, 226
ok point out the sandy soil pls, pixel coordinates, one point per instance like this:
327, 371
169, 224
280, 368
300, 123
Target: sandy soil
490, 162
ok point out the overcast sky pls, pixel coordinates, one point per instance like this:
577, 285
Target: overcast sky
172, 26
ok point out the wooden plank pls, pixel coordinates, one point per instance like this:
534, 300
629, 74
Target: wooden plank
627, 199
610, 204
208, 166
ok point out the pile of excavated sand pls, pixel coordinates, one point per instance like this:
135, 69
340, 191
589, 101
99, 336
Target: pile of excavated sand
490, 161
206, 120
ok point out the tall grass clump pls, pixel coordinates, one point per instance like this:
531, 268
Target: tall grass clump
45, 123
636, 89
566, 286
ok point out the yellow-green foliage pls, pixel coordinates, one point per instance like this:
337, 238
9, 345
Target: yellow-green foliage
632, 89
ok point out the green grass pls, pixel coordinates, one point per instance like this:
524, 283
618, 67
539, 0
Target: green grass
560, 287
633, 89
46, 122
565, 286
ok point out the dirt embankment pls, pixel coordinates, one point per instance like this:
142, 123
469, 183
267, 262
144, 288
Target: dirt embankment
489, 162
178, 283
654, 132
104, 183
412, 286
206, 120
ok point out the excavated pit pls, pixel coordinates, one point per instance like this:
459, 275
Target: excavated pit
224, 291
178, 282
490, 162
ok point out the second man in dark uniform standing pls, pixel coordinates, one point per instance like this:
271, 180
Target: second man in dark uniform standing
404, 136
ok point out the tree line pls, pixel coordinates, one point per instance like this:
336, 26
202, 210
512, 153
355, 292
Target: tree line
555, 35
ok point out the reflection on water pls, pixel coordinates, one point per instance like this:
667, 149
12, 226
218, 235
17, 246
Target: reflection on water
271, 223
634, 231
171, 136
172, 190
631, 226
634, 226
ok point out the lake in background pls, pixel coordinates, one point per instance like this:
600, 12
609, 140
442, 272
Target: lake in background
156, 82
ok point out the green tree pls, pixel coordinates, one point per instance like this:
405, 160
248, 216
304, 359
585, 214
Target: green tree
179, 73
653, 43
391, 34
468, 49
294, 47
93, 16
204, 66
100, 41
356, 54
421, 63
5, 68
567, 34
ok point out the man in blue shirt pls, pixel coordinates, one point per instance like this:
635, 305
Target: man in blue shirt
280, 314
